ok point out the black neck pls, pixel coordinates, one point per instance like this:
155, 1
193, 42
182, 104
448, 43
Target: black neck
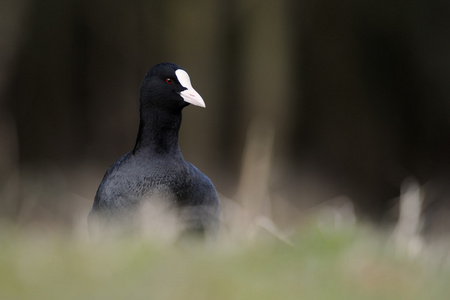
158, 132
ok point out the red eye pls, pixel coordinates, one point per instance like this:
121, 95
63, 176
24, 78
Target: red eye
169, 81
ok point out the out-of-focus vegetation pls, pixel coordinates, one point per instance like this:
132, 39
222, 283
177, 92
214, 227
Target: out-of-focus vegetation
323, 262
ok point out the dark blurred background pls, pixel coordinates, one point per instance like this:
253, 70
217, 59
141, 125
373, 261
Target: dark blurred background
356, 93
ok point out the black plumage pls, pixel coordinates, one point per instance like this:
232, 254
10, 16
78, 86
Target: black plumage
155, 169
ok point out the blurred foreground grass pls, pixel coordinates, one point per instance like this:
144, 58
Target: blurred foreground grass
325, 262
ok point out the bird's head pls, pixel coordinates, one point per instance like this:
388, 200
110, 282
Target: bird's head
168, 86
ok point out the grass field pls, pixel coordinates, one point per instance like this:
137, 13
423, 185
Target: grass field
323, 262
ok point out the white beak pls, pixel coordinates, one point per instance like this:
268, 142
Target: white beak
189, 94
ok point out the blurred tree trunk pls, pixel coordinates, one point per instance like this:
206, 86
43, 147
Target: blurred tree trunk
12, 14
268, 92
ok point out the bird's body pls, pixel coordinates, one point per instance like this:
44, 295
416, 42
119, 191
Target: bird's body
155, 170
